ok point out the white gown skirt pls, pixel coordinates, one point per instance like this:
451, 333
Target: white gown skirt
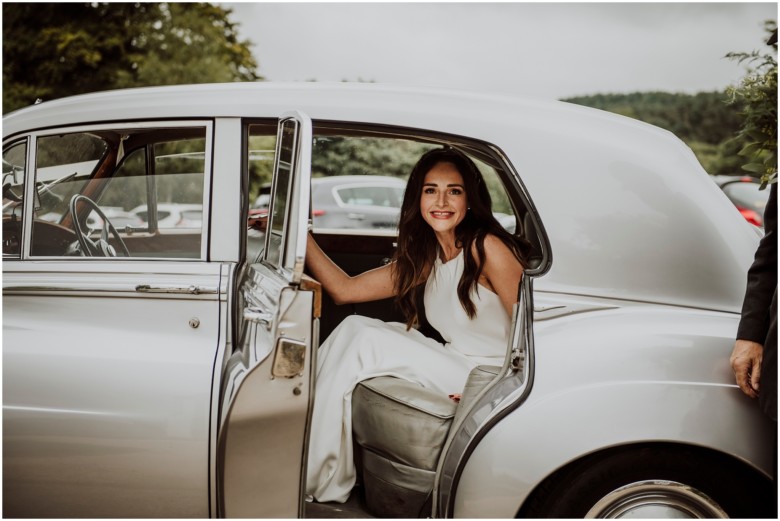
358, 349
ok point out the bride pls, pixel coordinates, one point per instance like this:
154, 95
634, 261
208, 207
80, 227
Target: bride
449, 240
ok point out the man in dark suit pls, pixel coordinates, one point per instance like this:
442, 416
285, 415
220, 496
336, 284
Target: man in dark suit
754, 358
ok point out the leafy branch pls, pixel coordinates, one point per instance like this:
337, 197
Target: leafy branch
757, 92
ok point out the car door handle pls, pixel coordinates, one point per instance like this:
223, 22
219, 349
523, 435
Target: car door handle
188, 290
356, 216
259, 317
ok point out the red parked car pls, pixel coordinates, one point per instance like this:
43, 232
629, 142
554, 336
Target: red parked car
745, 194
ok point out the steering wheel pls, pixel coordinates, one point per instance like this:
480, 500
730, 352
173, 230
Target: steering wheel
101, 247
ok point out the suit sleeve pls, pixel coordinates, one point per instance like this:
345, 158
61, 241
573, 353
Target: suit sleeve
762, 279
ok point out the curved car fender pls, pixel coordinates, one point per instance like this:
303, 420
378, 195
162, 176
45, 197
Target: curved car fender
582, 403
544, 435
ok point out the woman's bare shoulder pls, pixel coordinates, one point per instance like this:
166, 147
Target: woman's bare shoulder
492, 245
497, 252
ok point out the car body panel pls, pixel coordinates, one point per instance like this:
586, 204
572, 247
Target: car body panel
588, 387
119, 401
225, 240
262, 435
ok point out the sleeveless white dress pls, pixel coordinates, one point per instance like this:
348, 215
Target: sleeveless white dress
361, 348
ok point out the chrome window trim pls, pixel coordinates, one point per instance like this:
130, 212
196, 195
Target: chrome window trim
26, 139
290, 264
119, 277
29, 195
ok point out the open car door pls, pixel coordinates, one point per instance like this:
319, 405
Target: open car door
507, 392
267, 380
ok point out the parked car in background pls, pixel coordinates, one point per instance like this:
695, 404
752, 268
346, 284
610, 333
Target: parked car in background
170, 371
173, 215
365, 202
353, 201
745, 193
116, 215
263, 202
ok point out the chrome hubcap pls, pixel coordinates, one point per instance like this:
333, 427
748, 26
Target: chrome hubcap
656, 499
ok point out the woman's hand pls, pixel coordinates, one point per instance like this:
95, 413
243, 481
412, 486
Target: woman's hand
257, 220
371, 285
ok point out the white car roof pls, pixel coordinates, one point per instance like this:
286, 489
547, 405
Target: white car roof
629, 211
383, 104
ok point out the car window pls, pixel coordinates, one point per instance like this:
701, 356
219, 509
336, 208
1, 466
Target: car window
370, 171
261, 146
358, 180
14, 161
135, 182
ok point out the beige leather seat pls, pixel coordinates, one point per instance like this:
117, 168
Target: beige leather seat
400, 429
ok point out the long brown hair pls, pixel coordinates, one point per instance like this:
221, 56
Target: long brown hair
417, 244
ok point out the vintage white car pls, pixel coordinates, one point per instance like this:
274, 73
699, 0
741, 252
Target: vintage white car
163, 372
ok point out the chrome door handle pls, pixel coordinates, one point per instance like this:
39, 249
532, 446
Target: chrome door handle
259, 317
187, 290
356, 216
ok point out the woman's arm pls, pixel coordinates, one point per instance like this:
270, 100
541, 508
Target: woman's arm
372, 285
502, 271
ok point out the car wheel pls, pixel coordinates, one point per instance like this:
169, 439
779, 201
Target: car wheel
653, 482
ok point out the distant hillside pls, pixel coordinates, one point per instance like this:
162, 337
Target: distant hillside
704, 121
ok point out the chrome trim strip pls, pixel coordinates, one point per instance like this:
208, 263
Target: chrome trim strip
191, 290
107, 288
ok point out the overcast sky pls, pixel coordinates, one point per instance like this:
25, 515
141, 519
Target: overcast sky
549, 50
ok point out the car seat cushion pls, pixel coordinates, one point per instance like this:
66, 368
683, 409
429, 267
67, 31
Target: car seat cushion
401, 420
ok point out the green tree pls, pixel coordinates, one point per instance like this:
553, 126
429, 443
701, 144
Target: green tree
701, 117
706, 122
56, 50
758, 93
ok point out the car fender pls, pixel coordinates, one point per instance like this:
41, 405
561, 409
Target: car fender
580, 405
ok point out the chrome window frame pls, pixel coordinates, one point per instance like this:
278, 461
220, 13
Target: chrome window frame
207, 125
26, 139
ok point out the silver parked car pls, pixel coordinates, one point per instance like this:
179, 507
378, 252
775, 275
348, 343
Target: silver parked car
163, 372
353, 201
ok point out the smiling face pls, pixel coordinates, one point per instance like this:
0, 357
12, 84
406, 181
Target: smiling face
443, 203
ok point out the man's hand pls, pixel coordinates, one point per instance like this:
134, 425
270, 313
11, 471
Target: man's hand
746, 362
